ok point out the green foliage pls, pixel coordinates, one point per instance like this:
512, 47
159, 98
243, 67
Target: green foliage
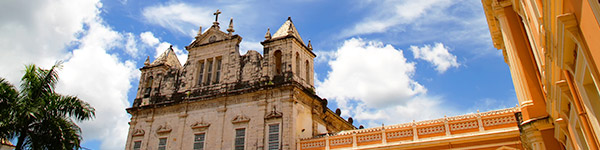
38, 116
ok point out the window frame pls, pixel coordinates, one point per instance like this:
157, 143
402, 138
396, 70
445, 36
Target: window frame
209, 70
237, 136
200, 72
277, 55
162, 146
298, 66
278, 136
218, 63
196, 141
308, 77
134, 145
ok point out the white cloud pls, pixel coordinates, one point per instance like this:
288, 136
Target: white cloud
37, 31
390, 13
41, 32
437, 56
380, 74
148, 38
245, 46
180, 17
324, 56
101, 79
374, 84
160, 47
131, 45
185, 17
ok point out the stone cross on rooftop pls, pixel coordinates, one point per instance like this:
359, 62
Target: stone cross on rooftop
217, 15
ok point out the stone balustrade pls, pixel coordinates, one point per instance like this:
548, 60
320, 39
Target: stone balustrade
415, 131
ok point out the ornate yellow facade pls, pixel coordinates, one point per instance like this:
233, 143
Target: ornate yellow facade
552, 48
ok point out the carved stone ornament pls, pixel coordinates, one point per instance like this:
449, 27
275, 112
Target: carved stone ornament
138, 132
163, 128
240, 119
200, 125
273, 114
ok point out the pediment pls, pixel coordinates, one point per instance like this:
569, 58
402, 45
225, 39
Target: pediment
273, 114
213, 34
200, 125
240, 119
138, 132
163, 128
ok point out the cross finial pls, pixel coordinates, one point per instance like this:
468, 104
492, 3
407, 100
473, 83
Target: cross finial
217, 15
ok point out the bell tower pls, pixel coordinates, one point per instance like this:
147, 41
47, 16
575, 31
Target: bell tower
287, 56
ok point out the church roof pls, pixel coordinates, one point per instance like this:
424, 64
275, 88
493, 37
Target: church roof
286, 28
168, 58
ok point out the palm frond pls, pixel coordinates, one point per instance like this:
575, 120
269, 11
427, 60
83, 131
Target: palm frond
8, 97
71, 106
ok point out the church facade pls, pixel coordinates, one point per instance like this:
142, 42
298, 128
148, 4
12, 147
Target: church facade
220, 99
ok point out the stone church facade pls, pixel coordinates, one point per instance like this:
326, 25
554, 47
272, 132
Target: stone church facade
220, 99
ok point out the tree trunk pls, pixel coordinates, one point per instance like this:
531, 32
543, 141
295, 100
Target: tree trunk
21, 141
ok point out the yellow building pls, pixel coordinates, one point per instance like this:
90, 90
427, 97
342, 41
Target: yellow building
493, 130
552, 48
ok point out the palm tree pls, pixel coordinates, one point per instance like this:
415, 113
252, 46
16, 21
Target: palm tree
39, 117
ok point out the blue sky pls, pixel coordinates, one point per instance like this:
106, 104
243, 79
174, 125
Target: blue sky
386, 61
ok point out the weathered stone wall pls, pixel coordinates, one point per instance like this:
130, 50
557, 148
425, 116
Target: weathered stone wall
221, 116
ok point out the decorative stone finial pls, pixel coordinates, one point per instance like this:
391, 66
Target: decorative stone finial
230, 29
199, 32
289, 18
171, 47
268, 34
147, 62
290, 31
309, 45
216, 23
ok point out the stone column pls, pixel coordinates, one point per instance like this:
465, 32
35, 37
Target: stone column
415, 132
520, 60
383, 137
479, 122
326, 142
222, 110
148, 130
262, 109
132, 124
446, 126
182, 127
354, 140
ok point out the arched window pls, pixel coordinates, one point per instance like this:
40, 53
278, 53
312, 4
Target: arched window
277, 56
148, 86
307, 66
298, 65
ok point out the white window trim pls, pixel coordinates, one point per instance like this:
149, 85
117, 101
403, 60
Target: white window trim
268, 133
245, 136
203, 142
